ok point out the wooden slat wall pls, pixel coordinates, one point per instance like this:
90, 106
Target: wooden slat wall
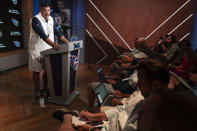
133, 18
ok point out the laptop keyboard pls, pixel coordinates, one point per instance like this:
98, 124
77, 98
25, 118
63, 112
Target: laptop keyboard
108, 101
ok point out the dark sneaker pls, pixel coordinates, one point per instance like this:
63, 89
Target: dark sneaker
59, 113
44, 93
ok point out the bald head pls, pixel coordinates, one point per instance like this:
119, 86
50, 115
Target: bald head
141, 39
140, 43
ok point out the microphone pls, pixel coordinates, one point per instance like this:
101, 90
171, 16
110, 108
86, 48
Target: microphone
59, 27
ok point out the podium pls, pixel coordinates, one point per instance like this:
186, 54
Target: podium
61, 69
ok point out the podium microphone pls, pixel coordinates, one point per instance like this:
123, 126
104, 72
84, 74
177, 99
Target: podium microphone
59, 27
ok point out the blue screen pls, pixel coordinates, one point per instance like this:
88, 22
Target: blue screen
101, 91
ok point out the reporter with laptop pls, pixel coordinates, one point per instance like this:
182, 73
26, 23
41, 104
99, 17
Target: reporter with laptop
105, 91
152, 76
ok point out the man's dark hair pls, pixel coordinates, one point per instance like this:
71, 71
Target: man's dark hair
184, 43
155, 70
43, 5
172, 37
140, 44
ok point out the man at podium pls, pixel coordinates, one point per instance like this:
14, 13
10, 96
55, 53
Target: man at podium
42, 38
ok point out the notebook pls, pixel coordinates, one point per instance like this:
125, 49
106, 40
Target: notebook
101, 75
102, 95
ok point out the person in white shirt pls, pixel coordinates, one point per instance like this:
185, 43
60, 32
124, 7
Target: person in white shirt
152, 75
41, 38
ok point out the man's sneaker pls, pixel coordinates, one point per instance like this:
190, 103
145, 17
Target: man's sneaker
59, 113
44, 93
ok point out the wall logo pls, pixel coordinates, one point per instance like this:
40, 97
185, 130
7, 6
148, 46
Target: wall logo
12, 11
76, 46
1, 34
14, 2
17, 43
15, 22
2, 45
15, 33
74, 62
1, 22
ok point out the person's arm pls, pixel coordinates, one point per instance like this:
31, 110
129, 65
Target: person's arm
119, 94
116, 102
60, 35
52, 44
125, 65
113, 76
93, 116
133, 67
127, 60
111, 81
37, 27
172, 52
62, 38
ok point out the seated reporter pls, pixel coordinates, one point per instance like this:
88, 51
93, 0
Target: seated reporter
153, 75
121, 88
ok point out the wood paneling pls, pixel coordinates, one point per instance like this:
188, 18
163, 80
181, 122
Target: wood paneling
137, 18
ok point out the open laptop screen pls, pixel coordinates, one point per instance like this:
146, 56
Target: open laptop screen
101, 92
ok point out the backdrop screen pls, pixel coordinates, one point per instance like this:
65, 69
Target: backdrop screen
10, 25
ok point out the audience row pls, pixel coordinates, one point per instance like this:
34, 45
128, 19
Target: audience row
154, 89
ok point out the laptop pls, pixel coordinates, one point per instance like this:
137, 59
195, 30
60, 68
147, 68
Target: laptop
101, 75
103, 98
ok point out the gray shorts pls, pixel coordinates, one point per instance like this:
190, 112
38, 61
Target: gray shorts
35, 63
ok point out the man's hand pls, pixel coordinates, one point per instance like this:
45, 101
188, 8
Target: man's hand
85, 115
52, 44
82, 115
111, 81
116, 102
117, 93
126, 65
56, 47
